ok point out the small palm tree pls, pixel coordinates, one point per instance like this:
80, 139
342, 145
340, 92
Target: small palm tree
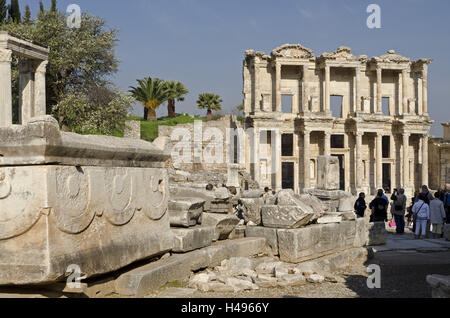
210, 102
151, 92
175, 92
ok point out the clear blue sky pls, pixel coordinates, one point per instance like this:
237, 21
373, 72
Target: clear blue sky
202, 42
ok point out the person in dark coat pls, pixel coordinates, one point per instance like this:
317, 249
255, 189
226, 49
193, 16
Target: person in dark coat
379, 208
360, 205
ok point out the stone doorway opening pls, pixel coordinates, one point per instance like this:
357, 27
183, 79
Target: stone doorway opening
387, 186
288, 175
341, 172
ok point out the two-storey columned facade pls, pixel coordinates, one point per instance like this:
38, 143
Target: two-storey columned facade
370, 113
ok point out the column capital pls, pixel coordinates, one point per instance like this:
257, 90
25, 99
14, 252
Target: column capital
41, 66
406, 134
358, 133
5, 55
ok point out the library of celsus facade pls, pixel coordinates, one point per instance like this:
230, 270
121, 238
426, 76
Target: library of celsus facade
370, 113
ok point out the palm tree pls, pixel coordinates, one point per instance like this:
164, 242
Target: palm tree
175, 92
151, 92
210, 102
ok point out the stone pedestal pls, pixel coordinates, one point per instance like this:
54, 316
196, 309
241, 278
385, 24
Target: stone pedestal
327, 173
233, 176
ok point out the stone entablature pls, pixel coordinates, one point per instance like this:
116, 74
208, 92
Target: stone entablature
362, 84
32, 68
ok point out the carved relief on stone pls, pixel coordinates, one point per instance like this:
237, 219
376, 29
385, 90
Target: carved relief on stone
19, 205
120, 188
155, 193
5, 55
72, 198
366, 104
391, 56
343, 53
293, 51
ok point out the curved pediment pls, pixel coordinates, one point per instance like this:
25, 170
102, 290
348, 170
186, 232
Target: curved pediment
293, 51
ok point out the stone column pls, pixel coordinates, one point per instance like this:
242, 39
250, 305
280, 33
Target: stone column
278, 165
425, 159
404, 92
379, 90
327, 143
26, 91
401, 110
327, 89
257, 91
5, 88
256, 154
406, 160
40, 107
357, 89
305, 104
358, 163
278, 86
425, 89
379, 161
306, 159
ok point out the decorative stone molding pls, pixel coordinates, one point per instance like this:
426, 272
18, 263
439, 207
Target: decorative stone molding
5, 56
391, 57
293, 51
343, 53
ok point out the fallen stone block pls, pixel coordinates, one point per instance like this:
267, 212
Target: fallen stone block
223, 224
238, 232
299, 245
186, 240
376, 234
179, 191
252, 210
440, 285
315, 279
99, 218
185, 212
286, 217
329, 219
270, 234
287, 197
145, 279
291, 280
252, 194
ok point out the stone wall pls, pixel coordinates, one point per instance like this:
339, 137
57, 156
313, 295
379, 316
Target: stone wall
207, 143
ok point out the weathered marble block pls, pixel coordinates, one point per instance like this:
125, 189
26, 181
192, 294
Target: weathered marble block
299, 245
185, 212
59, 205
286, 217
327, 173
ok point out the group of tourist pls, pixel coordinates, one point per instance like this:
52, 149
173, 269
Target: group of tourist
425, 210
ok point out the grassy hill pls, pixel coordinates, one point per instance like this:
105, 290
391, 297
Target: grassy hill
149, 129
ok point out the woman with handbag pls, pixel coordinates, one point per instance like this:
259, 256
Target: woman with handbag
421, 211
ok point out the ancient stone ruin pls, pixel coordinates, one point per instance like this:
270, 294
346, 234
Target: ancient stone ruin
95, 201
379, 131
